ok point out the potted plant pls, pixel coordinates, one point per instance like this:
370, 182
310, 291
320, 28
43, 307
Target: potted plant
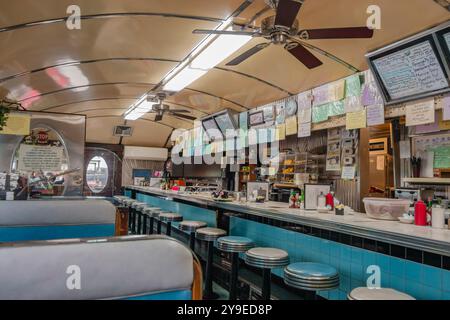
4, 112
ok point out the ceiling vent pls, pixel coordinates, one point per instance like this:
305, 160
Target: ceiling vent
123, 131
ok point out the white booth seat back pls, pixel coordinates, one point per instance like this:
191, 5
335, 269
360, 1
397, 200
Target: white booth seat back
47, 220
133, 267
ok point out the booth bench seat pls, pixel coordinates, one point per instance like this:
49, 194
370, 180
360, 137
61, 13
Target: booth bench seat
47, 219
125, 268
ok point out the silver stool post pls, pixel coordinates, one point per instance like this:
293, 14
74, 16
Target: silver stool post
168, 218
191, 227
209, 235
234, 245
266, 259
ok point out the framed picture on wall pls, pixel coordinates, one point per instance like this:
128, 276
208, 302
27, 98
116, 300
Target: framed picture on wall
256, 119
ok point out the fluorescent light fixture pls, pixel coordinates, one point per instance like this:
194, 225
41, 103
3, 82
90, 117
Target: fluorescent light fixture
214, 50
140, 108
220, 49
184, 78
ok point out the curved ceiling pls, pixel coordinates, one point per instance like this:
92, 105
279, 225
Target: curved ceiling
125, 48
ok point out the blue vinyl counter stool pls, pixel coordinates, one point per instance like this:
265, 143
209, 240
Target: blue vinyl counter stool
168, 218
135, 206
151, 213
312, 277
209, 235
234, 246
191, 227
266, 259
139, 207
364, 293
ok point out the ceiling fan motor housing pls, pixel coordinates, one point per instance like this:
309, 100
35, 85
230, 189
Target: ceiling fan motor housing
276, 33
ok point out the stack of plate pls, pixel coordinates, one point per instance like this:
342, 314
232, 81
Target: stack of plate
311, 276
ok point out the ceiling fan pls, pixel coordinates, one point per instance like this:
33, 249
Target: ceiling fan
159, 108
283, 29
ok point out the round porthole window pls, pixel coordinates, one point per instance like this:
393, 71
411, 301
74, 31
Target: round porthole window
97, 174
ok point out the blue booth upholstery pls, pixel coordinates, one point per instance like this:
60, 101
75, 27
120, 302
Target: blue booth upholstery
47, 220
118, 268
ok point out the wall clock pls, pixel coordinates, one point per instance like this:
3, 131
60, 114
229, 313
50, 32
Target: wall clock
291, 107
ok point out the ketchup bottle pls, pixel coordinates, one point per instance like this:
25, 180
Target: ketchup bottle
330, 200
420, 213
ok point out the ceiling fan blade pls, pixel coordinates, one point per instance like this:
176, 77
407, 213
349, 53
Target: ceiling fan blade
304, 56
287, 12
337, 33
179, 115
247, 54
158, 117
226, 32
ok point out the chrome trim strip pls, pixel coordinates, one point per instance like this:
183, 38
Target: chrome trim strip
76, 63
109, 16
144, 119
85, 86
131, 98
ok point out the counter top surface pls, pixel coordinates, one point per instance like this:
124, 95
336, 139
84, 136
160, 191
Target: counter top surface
423, 238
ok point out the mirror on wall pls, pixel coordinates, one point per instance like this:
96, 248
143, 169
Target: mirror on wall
97, 174
42, 157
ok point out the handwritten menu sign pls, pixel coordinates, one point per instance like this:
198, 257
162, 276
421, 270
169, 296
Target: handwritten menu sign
411, 71
375, 115
420, 112
45, 158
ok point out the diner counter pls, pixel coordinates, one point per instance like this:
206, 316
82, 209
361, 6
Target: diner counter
357, 224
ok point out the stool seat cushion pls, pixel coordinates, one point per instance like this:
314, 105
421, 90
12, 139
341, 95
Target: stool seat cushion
268, 253
310, 270
234, 244
192, 226
267, 258
364, 293
170, 217
209, 234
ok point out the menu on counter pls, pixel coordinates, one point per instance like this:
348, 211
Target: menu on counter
411, 71
45, 158
420, 112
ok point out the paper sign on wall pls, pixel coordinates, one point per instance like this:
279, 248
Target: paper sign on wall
304, 115
17, 124
356, 120
280, 132
446, 107
375, 115
405, 149
304, 130
291, 126
348, 173
45, 158
420, 112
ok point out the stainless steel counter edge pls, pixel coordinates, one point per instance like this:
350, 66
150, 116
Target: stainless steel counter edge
409, 241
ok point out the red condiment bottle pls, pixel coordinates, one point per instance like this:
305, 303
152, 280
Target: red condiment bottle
420, 213
329, 200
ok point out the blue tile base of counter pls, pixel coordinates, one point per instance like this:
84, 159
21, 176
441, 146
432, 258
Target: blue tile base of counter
421, 281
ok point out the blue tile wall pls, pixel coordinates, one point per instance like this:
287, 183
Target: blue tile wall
189, 212
127, 193
418, 280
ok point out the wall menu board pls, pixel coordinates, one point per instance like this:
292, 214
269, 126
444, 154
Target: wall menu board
413, 68
226, 124
443, 37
